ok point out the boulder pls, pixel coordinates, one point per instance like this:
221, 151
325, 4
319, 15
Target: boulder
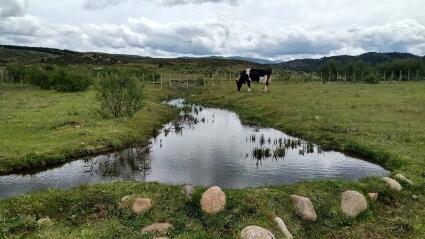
402, 178
353, 203
373, 196
283, 228
141, 205
45, 222
213, 200
256, 232
188, 192
393, 184
304, 208
161, 228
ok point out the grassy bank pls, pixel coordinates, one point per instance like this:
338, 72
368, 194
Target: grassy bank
383, 122
42, 127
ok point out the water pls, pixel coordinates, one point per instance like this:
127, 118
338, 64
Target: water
206, 147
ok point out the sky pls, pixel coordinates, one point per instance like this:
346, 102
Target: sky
270, 29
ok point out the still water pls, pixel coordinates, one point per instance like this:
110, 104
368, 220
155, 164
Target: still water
206, 146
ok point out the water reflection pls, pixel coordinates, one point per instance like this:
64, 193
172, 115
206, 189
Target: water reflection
206, 146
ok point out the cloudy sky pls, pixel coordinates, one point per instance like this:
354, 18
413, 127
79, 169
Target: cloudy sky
272, 29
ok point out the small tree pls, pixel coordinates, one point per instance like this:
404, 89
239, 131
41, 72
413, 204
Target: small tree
119, 96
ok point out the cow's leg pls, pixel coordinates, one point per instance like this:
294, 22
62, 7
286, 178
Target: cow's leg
269, 80
249, 86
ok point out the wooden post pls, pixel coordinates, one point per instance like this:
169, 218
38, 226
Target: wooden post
417, 75
362, 76
2, 76
321, 77
160, 78
408, 75
354, 79
400, 77
153, 79
143, 77
187, 82
385, 75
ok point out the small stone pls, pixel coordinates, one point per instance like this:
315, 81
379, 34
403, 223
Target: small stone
304, 208
188, 192
373, 196
141, 205
161, 228
213, 200
283, 228
415, 197
256, 232
161, 238
402, 178
353, 203
394, 185
45, 222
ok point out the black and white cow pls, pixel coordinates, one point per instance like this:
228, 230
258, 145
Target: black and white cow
254, 75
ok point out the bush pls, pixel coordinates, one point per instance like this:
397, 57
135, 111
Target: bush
119, 96
49, 78
70, 82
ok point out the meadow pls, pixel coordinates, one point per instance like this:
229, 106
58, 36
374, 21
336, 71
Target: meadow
382, 123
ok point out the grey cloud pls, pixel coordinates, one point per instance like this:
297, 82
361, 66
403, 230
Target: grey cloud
102, 4
12, 8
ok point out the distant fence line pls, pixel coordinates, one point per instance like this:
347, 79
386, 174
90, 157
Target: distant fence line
279, 76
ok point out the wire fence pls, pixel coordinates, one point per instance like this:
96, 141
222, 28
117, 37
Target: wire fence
172, 80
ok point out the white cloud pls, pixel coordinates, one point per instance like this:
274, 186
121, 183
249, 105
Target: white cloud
221, 33
12, 8
102, 4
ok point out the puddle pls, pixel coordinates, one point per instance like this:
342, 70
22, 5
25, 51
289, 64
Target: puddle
206, 147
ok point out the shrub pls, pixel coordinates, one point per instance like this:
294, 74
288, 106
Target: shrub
119, 96
69, 81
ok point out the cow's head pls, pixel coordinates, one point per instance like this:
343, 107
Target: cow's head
239, 84
242, 80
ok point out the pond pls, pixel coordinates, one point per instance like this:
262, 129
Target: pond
206, 146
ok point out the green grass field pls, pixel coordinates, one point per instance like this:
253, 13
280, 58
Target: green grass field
42, 127
383, 123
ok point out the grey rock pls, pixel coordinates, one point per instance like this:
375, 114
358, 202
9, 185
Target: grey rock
392, 184
256, 232
213, 200
353, 203
282, 226
304, 208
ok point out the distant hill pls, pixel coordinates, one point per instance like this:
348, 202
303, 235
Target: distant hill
23, 54
371, 58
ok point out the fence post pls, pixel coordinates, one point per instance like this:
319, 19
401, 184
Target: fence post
321, 77
187, 82
143, 77
354, 79
408, 75
385, 75
417, 75
160, 78
400, 76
